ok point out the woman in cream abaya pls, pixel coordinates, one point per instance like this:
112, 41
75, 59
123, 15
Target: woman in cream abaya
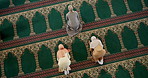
63, 58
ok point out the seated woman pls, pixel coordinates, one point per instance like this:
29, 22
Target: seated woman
73, 22
63, 58
97, 50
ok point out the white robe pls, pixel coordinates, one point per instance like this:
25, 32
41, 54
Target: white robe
64, 63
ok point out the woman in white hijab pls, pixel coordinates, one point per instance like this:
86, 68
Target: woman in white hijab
63, 58
96, 47
73, 22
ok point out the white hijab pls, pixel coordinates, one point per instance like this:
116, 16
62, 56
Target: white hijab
95, 42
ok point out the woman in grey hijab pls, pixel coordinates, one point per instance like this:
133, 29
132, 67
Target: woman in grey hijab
73, 22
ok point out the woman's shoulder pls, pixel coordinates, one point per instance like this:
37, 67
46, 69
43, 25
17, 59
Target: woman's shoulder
75, 12
67, 14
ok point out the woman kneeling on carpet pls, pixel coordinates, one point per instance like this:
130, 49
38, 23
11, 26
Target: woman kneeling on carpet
63, 58
97, 50
73, 22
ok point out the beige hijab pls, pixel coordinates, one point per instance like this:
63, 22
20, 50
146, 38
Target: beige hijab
61, 52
